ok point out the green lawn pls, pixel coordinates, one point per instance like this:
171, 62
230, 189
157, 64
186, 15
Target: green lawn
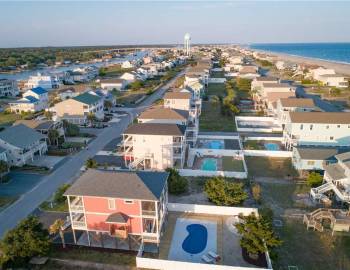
211, 119
85, 254
309, 250
270, 167
6, 200
8, 118
230, 164
61, 207
217, 89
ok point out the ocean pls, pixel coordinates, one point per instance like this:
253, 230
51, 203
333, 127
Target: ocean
337, 52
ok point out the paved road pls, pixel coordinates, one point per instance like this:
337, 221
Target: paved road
70, 169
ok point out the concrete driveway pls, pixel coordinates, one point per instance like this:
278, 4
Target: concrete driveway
20, 183
46, 161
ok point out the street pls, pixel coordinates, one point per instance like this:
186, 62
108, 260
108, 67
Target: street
70, 169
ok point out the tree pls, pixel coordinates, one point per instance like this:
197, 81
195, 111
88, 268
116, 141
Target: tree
91, 118
136, 85
53, 136
26, 240
91, 163
107, 104
48, 115
176, 183
257, 235
70, 129
314, 179
4, 168
222, 192
256, 191
58, 196
57, 227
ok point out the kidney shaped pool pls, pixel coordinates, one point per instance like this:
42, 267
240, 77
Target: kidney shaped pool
197, 238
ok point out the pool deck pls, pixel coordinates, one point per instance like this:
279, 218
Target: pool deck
227, 241
228, 144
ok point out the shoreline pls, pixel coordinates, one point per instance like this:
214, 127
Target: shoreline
339, 67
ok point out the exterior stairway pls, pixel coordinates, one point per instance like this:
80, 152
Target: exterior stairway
317, 193
315, 218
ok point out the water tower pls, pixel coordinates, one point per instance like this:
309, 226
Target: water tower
187, 44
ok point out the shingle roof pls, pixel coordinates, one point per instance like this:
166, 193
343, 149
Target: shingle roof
277, 85
317, 153
177, 95
274, 96
87, 98
35, 124
298, 102
156, 129
320, 117
335, 171
39, 90
114, 184
164, 113
20, 136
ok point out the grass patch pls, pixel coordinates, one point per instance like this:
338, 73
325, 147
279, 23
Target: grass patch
311, 250
211, 119
89, 255
270, 167
55, 207
217, 89
7, 119
6, 200
230, 164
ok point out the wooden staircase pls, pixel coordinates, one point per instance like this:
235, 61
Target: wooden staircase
315, 218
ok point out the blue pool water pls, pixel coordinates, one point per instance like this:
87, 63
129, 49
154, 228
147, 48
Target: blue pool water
272, 146
197, 238
216, 145
209, 164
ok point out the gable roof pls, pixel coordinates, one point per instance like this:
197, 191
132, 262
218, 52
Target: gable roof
38, 90
156, 129
274, 96
118, 184
87, 98
177, 95
298, 102
320, 117
318, 153
164, 113
35, 124
20, 136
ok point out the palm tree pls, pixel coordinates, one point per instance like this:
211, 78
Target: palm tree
57, 227
53, 136
91, 164
91, 117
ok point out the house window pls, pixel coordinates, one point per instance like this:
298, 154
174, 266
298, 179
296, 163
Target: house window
111, 204
331, 138
311, 127
338, 126
327, 127
311, 162
128, 201
301, 127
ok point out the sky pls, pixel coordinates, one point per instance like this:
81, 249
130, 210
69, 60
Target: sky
75, 23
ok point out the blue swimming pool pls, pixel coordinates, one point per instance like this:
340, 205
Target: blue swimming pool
213, 144
272, 146
196, 240
209, 164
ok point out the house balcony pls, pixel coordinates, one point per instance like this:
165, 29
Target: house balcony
76, 205
78, 221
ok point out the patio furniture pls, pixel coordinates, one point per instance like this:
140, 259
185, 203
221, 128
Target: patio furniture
207, 259
214, 255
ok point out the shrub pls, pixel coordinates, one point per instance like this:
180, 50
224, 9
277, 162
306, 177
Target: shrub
314, 179
176, 183
222, 192
257, 235
58, 196
256, 192
91, 163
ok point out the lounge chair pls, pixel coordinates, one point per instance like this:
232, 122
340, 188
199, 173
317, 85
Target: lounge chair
214, 255
207, 259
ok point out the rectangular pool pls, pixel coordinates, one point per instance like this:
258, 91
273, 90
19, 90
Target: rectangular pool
209, 164
192, 238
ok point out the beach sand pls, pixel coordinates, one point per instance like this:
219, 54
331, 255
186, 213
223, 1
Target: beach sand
340, 68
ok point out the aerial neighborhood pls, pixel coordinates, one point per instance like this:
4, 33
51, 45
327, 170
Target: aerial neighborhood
190, 157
